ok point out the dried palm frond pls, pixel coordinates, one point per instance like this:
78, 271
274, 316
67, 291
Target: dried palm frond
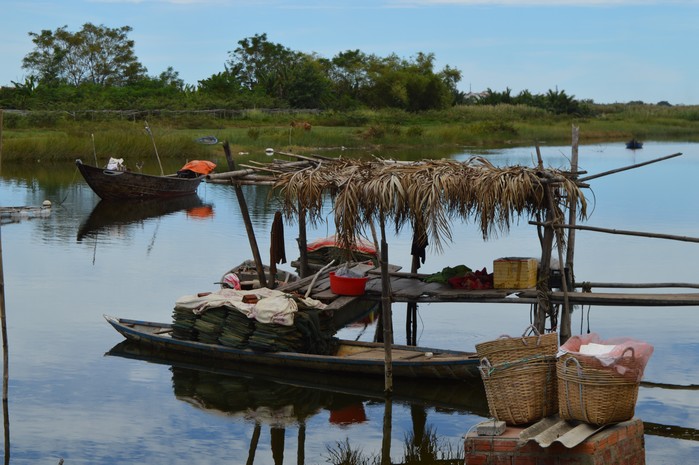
431, 194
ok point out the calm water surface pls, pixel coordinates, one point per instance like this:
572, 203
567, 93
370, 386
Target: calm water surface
70, 399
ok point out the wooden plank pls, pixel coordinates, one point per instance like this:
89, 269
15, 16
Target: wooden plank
621, 299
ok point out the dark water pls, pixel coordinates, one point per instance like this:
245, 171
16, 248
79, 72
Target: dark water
76, 393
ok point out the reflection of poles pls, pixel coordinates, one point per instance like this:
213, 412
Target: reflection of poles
387, 429
419, 417
162, 173
253, 444
301, 447
5, 360
277, 442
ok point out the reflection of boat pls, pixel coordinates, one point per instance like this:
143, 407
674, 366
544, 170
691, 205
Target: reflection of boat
351, 357
118, 184
113, 213
634, 144
462, 395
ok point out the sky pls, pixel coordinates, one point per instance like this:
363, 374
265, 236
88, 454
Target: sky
605, 51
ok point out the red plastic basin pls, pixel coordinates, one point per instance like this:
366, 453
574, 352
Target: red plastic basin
343, 285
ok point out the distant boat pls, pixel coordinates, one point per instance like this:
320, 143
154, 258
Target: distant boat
116, 184
634, 144
207, 140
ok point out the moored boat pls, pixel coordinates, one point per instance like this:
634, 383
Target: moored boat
365, 358
116, 184
634, 144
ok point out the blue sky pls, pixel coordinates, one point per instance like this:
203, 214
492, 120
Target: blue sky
607, 51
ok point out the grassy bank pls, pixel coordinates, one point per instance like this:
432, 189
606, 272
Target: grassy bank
60, 136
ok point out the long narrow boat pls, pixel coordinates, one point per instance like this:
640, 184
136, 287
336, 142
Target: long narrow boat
364, 358
117, 185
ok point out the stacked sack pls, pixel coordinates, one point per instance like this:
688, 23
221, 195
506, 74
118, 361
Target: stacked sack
519, 374
598, 379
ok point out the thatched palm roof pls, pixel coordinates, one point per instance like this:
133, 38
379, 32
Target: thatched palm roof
428, 195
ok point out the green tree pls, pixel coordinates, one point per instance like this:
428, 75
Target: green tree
95, 54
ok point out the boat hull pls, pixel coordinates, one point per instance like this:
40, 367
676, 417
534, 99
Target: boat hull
119, 185
353, 357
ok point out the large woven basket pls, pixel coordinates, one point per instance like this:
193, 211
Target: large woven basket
595, 394
510, 349
521, 392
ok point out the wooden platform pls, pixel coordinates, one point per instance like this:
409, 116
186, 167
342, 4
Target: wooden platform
407, 288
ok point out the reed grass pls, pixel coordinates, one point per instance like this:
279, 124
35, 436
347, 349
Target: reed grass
62, 136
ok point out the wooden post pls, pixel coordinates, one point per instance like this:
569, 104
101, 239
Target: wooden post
543, 306
246, 219
572, 208
542, 284
1, 120
5, 357
387, 318
411, 308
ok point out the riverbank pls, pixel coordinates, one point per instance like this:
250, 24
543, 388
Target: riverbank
64, 136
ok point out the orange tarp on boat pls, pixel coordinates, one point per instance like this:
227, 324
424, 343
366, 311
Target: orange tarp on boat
199, 166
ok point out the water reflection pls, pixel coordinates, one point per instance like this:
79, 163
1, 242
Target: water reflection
281, 399
111, 217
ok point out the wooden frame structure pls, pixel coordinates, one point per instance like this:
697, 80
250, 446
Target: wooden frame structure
428, 196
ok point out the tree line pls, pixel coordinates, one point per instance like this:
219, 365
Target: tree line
96, 68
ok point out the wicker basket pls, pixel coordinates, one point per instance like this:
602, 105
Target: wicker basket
510, 349
521, 392
595, 394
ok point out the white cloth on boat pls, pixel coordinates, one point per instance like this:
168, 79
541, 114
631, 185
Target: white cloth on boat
279, 309
272, 306
116, 164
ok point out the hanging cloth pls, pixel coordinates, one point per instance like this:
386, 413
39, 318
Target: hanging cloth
278, 251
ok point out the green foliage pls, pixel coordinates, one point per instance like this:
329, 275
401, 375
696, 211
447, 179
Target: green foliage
254, 133
68, 73
95, 54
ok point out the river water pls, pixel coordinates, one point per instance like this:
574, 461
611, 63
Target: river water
76, 394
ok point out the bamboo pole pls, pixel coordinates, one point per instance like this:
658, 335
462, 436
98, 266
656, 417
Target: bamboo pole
152, 139
626, 168
246, 219
543, 306
387, 318
624, 232
1, 126
5, 359
94, 150
572, 209
591, 284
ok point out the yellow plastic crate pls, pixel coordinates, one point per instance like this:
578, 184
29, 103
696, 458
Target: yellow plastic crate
515, 272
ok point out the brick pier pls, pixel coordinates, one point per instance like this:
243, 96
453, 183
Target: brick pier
620, 444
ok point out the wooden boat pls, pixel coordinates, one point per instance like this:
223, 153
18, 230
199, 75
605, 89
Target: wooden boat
110, 214
118, 185
359, 358
249, 279
466, 395
208, 140
634, 144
